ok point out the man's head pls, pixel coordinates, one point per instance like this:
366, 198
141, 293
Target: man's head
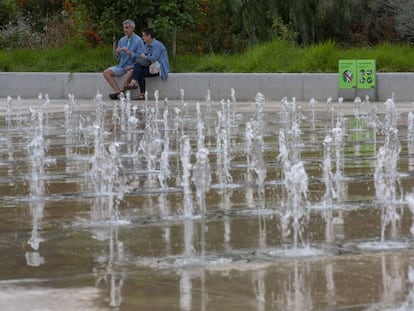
129, 27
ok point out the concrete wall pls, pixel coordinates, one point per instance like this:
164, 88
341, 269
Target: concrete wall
274, 86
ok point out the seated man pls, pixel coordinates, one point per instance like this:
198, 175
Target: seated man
129, 47
154, 53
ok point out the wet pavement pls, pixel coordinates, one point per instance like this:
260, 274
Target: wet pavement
92, 218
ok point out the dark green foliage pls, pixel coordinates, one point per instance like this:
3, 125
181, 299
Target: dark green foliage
207, 26
8, 12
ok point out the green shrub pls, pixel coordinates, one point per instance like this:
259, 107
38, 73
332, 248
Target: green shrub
8, 12
274, 56
20, 35
322, 57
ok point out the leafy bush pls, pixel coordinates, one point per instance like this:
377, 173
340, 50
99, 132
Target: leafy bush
20, 35
274, 56
8, 12
321, 57
404, 19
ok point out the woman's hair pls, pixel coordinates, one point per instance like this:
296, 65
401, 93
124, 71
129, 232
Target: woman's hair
149, 32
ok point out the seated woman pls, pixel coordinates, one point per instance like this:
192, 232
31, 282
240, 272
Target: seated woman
155, 52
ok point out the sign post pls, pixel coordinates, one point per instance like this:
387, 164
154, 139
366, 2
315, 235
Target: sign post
366, 74
357, 78
347, 74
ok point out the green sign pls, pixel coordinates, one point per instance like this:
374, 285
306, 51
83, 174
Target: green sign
347, 74
358, 74
366, 74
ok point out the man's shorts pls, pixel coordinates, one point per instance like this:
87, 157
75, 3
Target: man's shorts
118, 70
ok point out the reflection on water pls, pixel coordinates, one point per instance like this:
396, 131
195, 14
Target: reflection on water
207, 206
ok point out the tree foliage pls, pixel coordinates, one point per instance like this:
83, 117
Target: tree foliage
172, 16
8, 12
202, 26
404, 19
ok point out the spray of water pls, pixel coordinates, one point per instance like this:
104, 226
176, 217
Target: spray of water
186, 176
328, 179
165, 172
386, 178
223, 147
108, 176
201, 178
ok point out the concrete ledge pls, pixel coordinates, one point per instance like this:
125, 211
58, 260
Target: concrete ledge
274, 86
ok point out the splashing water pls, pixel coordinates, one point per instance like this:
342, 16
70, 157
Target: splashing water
410, 200
186, 166
165, 171
223, 148
296, 205
202, 179
312, 104
151, 142
330, 193
36, 152
200, 128
107, 176
201, 176
254, 157
410, 129
386, 179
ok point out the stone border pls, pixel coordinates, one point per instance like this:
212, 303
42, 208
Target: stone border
195, 86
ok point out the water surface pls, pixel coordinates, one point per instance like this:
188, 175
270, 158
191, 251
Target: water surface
91, 218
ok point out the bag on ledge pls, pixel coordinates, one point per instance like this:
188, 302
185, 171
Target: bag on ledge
154, 68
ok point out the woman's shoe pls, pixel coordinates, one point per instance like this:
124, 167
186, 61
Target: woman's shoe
131, 87
139, 97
